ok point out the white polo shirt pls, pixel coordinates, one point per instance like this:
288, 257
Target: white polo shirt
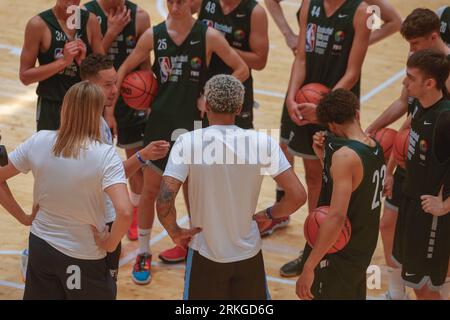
70, 192
107, 138
225, 165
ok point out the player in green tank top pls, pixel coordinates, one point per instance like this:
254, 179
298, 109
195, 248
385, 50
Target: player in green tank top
182, 48
122, 24
422, 234
244, 25
53, 39
353, 176
421, 29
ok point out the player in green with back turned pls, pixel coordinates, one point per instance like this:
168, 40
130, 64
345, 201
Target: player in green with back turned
352, 186
183, 48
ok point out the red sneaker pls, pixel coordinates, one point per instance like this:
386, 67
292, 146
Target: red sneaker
173, 255
276, 224
132, 231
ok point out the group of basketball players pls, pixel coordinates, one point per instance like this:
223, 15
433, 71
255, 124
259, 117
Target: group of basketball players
343, 168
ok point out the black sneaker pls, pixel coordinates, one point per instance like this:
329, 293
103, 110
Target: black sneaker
292, 268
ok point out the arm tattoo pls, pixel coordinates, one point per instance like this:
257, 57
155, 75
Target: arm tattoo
166, 198
165, 204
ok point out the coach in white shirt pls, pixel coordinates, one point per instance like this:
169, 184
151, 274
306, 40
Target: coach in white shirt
225, 166
72, 169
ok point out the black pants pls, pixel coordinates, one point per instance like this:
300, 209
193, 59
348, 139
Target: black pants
52, 275
209, 280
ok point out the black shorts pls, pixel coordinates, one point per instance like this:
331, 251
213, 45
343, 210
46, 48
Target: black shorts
287, 126
52, 275
397, 191
48, 114
131, 137
209, 280
168, 128
301, 141
245, 119
421, 245
113, 258
336, 279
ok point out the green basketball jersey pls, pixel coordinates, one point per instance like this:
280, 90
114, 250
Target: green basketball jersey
445, 25
126, 40
424, 173
55, 87
329, 41
236, 27
180, 70
365, 202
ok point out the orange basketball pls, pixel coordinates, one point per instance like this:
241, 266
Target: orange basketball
385, 137
312, 93
312, 226
401, 145
139, 89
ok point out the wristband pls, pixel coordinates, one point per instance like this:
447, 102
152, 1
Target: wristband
138, 156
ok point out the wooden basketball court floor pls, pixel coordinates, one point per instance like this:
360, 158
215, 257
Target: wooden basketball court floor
381, 84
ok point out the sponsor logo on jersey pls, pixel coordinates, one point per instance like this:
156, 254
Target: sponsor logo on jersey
239, 35
339, 36
59, 53
165, 68
209, 23
131, 41
423, 145
311, 37
196, 63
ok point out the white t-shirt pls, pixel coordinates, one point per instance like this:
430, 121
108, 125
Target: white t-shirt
225, 171
70, 192
107, 138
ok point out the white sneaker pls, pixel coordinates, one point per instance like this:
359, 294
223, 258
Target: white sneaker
24, 264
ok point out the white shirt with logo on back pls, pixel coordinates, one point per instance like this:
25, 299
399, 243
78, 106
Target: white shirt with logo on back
226, 169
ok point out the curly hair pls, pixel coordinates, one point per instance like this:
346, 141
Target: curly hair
339, 106
224, 93
94, 63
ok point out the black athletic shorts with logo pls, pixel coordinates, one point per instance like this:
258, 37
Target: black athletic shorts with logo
130, 125
421, 245
50, 275
48, 114
113, 258
209, 280
131, 137
332, 283
301, 141
397, 191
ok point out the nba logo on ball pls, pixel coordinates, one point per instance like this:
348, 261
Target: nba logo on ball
131, 41
165, 68
311, 37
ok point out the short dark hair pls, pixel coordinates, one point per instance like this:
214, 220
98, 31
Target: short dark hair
339, 106
433, 64
94, 63
420, 23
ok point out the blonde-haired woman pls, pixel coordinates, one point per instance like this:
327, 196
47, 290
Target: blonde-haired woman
72, 169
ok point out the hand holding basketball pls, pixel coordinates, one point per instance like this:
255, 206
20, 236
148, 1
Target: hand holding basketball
308, 111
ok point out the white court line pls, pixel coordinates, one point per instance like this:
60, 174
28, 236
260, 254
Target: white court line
283, 281
10, 252
12, 285
383, 86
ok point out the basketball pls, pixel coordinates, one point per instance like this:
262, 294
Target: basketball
139, 89
312, 226
401, 145
312, 93
386, 137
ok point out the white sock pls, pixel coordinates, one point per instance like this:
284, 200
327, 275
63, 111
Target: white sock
445, 290
134, 198
396, 283
144, 236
